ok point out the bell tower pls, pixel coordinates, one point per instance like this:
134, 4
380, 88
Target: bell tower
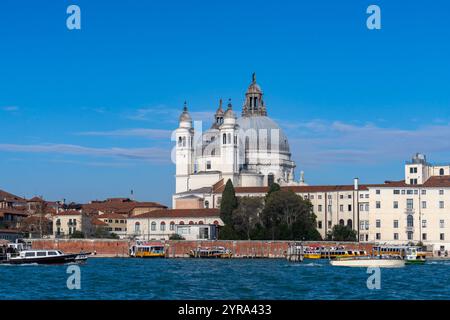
184, 151
254, 103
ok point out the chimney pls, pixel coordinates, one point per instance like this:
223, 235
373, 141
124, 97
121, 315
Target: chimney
356, 183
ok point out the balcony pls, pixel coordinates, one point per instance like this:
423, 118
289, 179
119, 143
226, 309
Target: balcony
409, 211
410, 229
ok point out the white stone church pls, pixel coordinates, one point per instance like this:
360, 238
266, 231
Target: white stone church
251, 150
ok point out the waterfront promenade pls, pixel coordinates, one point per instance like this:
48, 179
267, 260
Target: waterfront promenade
179, 249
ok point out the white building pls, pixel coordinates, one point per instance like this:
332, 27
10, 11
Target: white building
161, 224
251, 150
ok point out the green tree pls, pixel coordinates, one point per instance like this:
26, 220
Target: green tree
176, 236
228, 203
342, 233
273, 187
287, 216
246, 216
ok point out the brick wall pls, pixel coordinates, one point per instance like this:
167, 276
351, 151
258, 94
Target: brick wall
259, 249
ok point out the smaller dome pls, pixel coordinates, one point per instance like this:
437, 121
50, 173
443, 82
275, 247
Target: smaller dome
185, 116
230, 113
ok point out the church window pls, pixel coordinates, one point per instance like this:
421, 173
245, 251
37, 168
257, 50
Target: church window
341, 222
224, 140
229, 138
180, 141
256, 103
350, 223
213, 152
270, 179
184, 141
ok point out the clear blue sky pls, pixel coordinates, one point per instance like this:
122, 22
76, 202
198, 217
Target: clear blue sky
87, 114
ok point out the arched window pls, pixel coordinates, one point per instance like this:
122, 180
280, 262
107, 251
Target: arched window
153, 226
184, 141
270, 179
180, 141
350, 223
137, 227
342, 222
181, 222
224, 139
172, 226
410, 220
191, 222
441, 172
200, 222
206, 204
162, 226
216, 222
213, 152
229, 138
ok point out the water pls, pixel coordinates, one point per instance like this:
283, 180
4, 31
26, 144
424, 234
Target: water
121, 278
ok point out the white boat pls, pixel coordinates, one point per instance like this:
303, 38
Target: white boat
367, 262
43, 257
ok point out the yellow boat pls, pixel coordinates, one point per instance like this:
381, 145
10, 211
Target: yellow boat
148, 251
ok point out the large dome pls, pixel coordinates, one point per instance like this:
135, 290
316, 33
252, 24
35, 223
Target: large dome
256, 125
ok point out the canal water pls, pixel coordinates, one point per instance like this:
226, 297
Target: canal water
122, 278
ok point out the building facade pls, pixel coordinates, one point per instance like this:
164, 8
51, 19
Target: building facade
161, 224
250, 150
253, 152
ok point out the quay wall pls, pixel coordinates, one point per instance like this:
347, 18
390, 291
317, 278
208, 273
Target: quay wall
179, 249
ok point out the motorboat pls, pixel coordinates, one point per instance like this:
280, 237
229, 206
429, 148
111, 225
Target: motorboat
214, 252
43, 257
368, 261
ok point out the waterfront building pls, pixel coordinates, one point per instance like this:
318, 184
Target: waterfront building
66, 223
115, 223
161, 224
250, 150
124, 206
415, 209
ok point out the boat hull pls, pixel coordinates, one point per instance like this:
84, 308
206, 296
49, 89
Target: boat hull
63, 259
367, 263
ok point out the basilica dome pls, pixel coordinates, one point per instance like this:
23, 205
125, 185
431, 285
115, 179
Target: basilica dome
263, 128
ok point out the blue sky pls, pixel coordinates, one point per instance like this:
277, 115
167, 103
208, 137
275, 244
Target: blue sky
87, 114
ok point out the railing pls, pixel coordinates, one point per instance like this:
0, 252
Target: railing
410, 229
409, 211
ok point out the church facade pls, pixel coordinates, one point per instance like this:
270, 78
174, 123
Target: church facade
251, 150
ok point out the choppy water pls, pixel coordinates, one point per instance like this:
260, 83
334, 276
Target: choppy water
120, 278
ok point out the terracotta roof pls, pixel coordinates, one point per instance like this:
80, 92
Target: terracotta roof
179, 213
97, 222
112, 216
68, 213
119, 207
432, 182
297, 189
35, 199
10, 197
